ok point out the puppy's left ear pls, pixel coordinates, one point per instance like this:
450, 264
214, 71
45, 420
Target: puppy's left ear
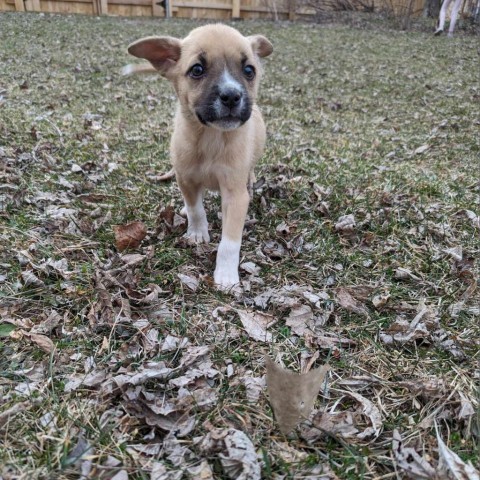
260, 45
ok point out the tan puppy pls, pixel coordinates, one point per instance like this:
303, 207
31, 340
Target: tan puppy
219, 132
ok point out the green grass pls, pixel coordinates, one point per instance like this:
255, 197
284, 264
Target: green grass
346, 109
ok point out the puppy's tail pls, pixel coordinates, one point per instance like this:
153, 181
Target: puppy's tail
136, 68
165, 177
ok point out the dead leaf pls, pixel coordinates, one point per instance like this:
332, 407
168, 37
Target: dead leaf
300, 320
9, 412
250, 268
190, 282
282, 229
236, 452
409, 461
274, 250
424, 326
421, 149
132, 259
173, 343
194, 354
406, 274
253, 386
175, 452
292, 395
199, 399
349, 303
338, 423
201, 472
161, 414
455, 252
41, 341
450, 462
129, 235
151, 371
31, 280
256, 324
160, 472
472, 216
49, 324
380, 301
121, 475
172, 220
149, 449
80, 456
329, 341
370, 410
466, 408
427, 388
345, 224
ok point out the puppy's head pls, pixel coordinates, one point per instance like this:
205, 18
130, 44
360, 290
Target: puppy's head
215, 71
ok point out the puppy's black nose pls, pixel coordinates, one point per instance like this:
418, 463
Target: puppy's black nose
230, 97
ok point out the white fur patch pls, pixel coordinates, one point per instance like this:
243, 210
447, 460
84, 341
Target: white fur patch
226, 271
227, 81
197, 231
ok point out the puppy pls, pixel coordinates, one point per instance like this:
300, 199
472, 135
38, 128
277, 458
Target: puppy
219, 132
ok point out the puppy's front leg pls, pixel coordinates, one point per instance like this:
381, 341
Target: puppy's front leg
197, 230
234, 210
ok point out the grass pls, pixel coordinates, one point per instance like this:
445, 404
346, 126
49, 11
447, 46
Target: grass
374, 122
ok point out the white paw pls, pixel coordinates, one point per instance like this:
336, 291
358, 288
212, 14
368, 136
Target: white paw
227, 279
197, 235
226, 272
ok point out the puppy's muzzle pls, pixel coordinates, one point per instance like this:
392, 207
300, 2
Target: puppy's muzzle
226, 107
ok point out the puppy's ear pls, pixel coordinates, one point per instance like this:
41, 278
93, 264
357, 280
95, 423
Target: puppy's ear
260, 45
162, 52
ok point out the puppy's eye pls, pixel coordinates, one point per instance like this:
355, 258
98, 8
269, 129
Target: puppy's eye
197, 71
249, 71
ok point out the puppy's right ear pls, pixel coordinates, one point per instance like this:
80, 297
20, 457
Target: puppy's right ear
162, 52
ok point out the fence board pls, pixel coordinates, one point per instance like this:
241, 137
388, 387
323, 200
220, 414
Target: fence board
236, 9
157, 10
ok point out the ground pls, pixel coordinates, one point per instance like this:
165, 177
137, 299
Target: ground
359, 251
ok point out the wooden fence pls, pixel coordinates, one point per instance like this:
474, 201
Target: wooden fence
211, 9
214, 9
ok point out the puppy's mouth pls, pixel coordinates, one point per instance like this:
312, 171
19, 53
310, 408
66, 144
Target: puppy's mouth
226, 123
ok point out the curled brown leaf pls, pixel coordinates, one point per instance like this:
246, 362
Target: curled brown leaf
129, 235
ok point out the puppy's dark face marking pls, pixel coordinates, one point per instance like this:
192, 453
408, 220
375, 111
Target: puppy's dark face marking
226, 99
219, 77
